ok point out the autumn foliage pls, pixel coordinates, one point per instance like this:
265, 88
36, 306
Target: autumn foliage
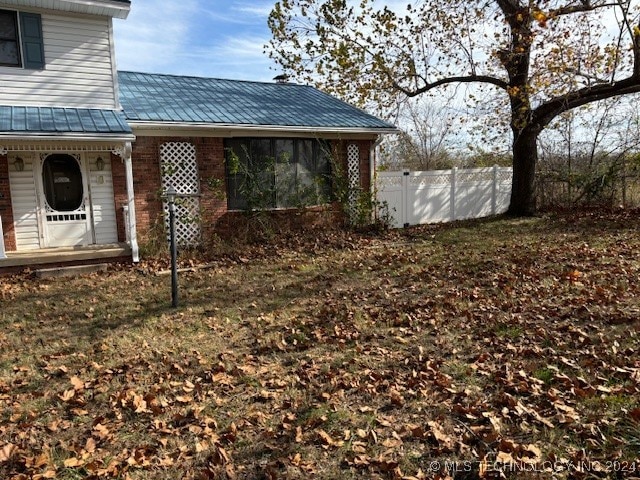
526, 61
465, 351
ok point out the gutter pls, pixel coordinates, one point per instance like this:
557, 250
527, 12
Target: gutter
66, 137
114, 8
234, 127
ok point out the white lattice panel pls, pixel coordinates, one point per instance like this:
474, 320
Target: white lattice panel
424, 180
505, 176
179, 167
473, 177
386, 182
180, 170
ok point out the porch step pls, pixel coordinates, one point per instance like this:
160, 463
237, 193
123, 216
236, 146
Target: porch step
70, 271
37, 258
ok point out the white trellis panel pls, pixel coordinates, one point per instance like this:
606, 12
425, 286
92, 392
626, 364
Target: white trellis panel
353, 174
179, 168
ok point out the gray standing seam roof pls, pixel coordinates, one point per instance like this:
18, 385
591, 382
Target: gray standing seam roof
51, 120
178, 99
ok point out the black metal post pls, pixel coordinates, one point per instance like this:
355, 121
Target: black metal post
171, 196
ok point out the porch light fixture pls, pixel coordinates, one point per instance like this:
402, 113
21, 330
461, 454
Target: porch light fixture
19, 164
171, 194
99, 163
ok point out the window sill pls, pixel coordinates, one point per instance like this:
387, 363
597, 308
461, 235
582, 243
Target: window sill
312, 208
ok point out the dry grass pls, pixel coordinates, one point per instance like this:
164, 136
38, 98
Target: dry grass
338, 356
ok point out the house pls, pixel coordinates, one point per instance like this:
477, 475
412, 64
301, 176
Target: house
86, 151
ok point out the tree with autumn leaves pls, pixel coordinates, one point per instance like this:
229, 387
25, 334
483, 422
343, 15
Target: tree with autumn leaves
545, 56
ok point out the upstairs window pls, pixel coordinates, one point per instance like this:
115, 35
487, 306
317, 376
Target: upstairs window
9, 45
21, 42
264, 173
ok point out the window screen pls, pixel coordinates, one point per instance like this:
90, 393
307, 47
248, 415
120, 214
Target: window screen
62, 181
277, 173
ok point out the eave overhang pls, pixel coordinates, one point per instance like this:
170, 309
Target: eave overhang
108, 8
231, 130
48, 137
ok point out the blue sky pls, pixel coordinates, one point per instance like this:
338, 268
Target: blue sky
212, 38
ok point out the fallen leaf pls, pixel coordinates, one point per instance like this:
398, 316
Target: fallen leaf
8, 451
73, 462
77, 383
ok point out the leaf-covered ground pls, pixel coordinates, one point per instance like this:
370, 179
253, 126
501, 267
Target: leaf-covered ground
501, 347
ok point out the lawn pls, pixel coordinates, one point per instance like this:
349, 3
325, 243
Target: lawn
498, 347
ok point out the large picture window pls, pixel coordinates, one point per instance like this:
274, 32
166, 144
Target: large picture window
277, 172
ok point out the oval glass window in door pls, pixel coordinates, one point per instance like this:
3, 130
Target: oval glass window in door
62, 181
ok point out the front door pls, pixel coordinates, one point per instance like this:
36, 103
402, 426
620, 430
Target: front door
65, 213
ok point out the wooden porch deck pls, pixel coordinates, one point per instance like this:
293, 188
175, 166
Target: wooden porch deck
64, 256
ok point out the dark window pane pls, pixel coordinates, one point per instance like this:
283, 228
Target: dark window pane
323, 157
305, 158
9, 51
9, 54
62, 181
260, 193
261, 152
236, 163
8, 29
285, 174
236, 200
323, 171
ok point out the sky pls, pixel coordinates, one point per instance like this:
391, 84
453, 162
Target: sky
210, 38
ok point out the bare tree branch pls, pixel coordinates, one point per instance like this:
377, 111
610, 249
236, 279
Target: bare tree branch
449, 80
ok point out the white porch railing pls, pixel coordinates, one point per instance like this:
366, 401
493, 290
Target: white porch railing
416, 198
2, 251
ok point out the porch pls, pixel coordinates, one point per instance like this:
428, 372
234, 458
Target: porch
60, 200
64, 256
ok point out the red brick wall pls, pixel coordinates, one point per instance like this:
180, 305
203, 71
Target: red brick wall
147, 182
6, 209
213, 203
364, 148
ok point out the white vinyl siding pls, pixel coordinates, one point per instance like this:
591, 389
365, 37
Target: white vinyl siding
78, 69
23, 199
104, 211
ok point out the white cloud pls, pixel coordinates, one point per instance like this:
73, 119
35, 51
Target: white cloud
190, 37
255, 8
239, 58
155, 33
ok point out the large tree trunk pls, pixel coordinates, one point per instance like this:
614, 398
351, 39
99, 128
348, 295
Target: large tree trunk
525, 157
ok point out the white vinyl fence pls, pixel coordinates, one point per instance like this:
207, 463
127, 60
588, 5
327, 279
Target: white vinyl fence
415, 198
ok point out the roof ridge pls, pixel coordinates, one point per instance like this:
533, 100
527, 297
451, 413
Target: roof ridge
202, 77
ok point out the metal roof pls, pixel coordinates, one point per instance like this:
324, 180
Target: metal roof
52, 121
157, 98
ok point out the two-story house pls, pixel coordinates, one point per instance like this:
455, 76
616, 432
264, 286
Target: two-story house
86, 151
